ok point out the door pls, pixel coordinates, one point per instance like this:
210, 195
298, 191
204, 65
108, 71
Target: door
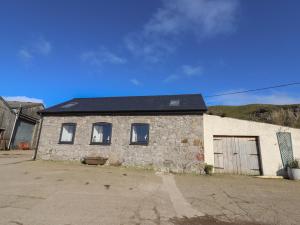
23, 133
236, 155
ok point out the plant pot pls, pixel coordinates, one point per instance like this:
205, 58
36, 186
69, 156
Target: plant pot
95, 160
294, 173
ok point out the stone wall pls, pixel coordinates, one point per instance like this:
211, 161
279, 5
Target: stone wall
175, 141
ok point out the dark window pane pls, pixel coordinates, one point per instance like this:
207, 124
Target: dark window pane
140, 133
106, 133
101, 133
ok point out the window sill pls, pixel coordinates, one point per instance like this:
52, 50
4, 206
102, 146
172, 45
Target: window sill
100, 143
65, 143
136, 143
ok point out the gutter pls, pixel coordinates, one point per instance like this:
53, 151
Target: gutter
38, 140
125, 113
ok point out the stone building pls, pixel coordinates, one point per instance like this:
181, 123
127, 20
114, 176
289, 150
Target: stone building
149, 131
165, 132
19, 124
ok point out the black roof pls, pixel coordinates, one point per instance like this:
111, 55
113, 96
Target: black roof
132, 104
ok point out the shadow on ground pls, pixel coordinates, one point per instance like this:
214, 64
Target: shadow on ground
209, 220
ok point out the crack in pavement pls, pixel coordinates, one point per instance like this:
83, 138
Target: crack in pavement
12, 163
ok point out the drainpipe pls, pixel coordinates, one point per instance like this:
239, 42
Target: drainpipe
13, 128
38, 140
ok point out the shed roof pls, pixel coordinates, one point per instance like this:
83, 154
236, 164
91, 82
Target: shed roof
132, 104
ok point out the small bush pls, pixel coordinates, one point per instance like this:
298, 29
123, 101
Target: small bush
82, 160
294, 164
223, 114
208, 169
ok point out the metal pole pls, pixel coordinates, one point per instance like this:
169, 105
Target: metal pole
38, 140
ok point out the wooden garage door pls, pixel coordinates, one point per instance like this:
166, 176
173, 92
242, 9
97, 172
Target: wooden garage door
236, 155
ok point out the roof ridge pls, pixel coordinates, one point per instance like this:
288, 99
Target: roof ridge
137, 96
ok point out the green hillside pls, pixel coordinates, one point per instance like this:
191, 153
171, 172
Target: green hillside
286, 115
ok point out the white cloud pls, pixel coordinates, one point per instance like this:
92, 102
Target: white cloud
35, 48
152, 49
135, 82
100, 57
42, 46
23, 99
279, 98
25, 55
171, 78
190, 71
185, 71
202, 18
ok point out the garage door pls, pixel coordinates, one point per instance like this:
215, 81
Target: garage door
236, 155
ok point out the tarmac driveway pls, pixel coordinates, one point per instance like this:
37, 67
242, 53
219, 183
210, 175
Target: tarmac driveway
61, 193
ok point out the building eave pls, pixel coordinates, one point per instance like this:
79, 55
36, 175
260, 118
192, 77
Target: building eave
124, 113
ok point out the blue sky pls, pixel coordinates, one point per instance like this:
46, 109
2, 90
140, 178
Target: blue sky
52, 51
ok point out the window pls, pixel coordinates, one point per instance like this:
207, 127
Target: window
69, 105
139, 134
67, 133
175, 102
101, 134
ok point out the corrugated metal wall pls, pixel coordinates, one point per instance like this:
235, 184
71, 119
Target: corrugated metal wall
6, 123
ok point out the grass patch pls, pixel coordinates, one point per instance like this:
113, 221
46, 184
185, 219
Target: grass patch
284, 115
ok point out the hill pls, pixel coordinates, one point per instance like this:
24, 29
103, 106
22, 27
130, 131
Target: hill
285, 115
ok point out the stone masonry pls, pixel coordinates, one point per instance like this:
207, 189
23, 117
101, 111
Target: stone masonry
175, 141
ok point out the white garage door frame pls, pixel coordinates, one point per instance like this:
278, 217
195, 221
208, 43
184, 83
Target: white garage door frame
257, 141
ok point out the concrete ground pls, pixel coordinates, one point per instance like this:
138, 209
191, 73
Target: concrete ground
61, 193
